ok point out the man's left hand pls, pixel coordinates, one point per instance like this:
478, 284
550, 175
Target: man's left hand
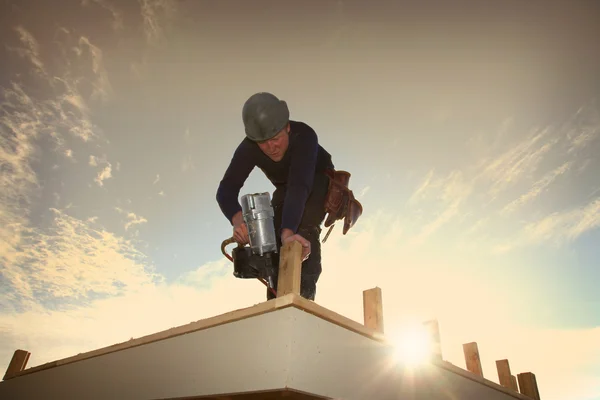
288, 236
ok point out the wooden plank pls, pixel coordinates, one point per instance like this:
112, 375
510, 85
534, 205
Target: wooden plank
513, 382
472, 358
504, 375
17, 363
476, 378
433, 329
236, 315
290, 268
338, 319
373, 309
528, 385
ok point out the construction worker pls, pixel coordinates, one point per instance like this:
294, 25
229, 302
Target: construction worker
289, 154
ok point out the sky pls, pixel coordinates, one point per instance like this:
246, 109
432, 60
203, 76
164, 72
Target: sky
471, 130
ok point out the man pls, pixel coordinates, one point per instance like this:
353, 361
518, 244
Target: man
289, 154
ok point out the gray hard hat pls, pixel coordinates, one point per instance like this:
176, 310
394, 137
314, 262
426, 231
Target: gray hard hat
264, 115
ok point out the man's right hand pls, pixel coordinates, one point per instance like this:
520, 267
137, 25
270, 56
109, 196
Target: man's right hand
240, 230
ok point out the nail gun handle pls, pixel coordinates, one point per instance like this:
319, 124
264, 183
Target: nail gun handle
226, 243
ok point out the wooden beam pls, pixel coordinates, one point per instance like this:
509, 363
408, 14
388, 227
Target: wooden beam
433, 328
528, 385
513, 382
373, 309
18, 363
472, 358
290, 269
504, 375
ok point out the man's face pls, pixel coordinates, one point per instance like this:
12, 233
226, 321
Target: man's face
276, 147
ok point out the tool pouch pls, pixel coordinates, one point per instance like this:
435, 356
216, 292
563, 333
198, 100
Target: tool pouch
340, 203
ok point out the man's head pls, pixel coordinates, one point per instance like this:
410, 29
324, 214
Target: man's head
276, 146
266, 122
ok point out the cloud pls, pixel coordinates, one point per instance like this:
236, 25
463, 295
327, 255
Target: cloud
584, 128
524, 158
31, 51
502, 185
557, 228
445, 195
104, 174
102, 87
117, 16
132, 218
70, 261
156, 15
537, 188
51, 262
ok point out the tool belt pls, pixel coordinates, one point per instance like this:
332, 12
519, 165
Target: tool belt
340, 203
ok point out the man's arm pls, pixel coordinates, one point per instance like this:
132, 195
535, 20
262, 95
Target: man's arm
233, 180
300, 180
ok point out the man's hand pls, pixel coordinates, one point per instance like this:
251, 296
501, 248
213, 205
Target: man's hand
288, 236
240, 230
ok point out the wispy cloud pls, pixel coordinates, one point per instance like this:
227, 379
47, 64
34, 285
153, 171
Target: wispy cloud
447, 195
30, 51
584, 128
132, 218
557, 228
538, 188
117, 16
524, 158
506, 180
156, 15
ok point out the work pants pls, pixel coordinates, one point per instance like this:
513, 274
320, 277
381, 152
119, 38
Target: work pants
310, 229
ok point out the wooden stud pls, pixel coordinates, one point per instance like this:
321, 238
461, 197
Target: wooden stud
433, 329
504, 375
513, 382
373, 309
472, 358
290, 269
18, 363
528, 385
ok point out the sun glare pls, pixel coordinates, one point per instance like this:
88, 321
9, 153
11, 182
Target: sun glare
413, 345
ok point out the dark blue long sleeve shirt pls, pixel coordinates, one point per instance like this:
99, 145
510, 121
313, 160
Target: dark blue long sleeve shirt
304, 157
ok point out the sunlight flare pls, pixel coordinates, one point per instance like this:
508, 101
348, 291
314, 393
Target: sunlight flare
413, 345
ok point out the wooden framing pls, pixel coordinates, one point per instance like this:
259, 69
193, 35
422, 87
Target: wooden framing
505, 378
373, 309
528, 385
17, 364
472, 359
289, 300
288, 296
290, 269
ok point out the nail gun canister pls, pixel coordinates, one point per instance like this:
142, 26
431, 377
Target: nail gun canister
259, 216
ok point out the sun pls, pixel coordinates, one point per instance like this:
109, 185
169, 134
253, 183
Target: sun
413, 345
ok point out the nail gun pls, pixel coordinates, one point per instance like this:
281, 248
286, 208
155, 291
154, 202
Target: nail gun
260, 259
